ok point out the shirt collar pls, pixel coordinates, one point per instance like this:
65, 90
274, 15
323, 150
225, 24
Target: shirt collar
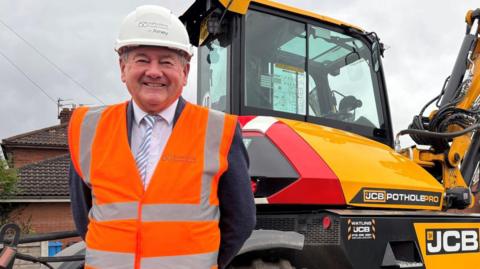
167, 114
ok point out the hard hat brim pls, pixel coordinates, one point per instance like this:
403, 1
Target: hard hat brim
156, 43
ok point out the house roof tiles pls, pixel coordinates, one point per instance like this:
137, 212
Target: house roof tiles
47, 179
54, 136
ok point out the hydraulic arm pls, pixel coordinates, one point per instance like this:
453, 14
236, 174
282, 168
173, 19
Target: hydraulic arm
451, 131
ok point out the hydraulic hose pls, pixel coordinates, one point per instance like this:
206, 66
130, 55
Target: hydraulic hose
433, 134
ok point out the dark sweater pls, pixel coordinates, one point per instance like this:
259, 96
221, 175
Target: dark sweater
237, 207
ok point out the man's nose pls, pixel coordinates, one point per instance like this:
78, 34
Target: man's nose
154, 70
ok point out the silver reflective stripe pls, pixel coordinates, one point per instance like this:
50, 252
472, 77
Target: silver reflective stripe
211, 164
179, 212
107, 259
197, 261
87, 134
114, 211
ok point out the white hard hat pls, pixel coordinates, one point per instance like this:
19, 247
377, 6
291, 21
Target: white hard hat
151, 25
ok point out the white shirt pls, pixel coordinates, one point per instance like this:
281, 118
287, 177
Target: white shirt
160, 135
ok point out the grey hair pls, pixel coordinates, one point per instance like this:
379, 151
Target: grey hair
182, 56
124, 54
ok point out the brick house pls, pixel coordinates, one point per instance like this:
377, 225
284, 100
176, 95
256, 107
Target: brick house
35, 146
42, 161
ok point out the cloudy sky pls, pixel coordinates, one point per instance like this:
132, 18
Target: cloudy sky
65, 48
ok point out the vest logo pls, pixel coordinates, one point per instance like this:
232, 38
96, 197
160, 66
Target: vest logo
178, 158
451, 241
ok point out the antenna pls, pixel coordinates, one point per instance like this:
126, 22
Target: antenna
61, 104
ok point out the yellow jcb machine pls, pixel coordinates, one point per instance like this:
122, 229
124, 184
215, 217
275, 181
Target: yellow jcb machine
331, 189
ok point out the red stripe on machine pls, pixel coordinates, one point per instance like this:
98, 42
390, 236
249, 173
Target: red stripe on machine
317, 183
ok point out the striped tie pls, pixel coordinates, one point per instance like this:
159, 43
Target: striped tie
144, 150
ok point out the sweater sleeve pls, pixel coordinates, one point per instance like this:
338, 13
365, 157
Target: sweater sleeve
237, 206
81, 201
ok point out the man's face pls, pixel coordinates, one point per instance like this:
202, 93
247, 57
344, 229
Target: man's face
155, 77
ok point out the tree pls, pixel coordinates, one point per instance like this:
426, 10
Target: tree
8, 180
8, 187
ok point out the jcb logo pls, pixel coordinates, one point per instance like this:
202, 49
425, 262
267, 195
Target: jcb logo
449, 241
361, 229
374, 196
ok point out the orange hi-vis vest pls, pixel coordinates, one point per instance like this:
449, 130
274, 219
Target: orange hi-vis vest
174, 222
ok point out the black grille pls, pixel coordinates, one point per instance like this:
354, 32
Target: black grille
310, 226
316, 235
276, 223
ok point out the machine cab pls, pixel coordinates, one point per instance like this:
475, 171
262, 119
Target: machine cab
279, 61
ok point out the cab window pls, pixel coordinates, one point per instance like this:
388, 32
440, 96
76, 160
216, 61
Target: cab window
214, 75
275, 70
337, 83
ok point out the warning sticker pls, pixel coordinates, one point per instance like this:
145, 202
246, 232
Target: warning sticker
361, 229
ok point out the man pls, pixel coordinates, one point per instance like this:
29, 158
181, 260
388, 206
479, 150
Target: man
160, 182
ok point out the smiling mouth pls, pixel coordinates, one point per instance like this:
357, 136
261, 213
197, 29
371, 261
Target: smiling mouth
154, 85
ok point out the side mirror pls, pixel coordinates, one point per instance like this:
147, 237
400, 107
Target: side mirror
377, 51
376, 55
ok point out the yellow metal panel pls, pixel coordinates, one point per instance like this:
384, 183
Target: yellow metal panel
456, 231
241, 7
360, 163
304, 13
237, 6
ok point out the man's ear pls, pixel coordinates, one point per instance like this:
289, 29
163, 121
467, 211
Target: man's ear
122, 64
